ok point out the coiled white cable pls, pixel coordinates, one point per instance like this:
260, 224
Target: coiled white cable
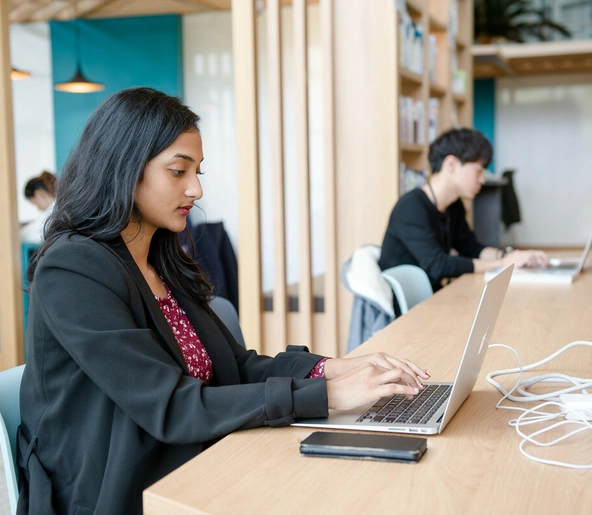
532, 416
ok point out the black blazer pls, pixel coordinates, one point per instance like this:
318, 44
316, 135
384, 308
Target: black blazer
107, 403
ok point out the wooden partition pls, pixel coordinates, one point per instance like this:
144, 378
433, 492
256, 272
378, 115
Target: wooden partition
244, 50
362, 79
359, 92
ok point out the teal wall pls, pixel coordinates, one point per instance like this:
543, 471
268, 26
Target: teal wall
120, 53
484, 111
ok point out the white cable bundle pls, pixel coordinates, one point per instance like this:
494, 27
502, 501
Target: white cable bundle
575, 409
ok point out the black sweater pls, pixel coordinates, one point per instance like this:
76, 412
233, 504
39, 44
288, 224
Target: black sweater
418, 234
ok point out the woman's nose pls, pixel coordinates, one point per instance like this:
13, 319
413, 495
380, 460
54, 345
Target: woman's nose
194, 188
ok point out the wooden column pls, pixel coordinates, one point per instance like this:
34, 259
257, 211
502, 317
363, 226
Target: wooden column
11, 298
331, 338
305, 308
276, 125
366, 129
245, 87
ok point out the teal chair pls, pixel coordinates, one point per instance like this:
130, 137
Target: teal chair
410, 284
10, 419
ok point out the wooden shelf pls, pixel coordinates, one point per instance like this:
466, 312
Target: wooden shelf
459, 98
437, 90
414, 6
461, 44
437, 25
532, 58
411, 148
410, 77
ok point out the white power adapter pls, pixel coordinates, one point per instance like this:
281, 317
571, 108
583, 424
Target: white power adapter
577, 406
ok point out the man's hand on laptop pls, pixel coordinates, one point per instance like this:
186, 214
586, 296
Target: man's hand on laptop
355, 382
526, 258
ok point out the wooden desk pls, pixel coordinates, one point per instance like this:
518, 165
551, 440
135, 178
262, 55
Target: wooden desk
474, 466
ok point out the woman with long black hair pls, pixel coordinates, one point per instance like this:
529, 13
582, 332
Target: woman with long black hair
129, 372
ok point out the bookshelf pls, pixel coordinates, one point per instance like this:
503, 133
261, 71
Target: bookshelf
434, 83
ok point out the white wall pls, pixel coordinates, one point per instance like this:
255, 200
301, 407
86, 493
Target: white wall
209, 90
33, 108
543, 129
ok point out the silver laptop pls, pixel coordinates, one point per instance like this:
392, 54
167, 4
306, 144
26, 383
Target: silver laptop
430, 410
559, 271
566, 264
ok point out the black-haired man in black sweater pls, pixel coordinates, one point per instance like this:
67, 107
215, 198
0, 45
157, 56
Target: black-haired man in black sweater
428, 223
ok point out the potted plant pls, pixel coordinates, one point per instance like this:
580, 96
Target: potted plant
513, 20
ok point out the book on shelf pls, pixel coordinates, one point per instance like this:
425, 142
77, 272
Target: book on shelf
409, 179
459, 77
433, 58
433, 118
410, 43
459, 82
411, 120
453, 24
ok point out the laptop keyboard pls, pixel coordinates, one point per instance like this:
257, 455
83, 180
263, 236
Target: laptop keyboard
400, 410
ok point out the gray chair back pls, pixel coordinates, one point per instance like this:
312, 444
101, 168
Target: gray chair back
226, 312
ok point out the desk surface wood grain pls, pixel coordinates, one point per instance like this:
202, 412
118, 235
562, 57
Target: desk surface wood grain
474, 466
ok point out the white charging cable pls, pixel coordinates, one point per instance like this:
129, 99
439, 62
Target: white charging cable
574, 409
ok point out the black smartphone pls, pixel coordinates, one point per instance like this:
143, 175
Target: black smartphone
368, 446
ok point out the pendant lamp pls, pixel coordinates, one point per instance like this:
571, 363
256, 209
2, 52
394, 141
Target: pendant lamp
79, 83
16, 74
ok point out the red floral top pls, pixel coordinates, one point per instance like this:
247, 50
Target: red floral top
195, 354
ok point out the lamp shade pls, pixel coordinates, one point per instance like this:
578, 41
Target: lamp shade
16, 74
79, 84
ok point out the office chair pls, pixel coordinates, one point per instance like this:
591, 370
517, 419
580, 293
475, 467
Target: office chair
226, 312
10, 419
410, 285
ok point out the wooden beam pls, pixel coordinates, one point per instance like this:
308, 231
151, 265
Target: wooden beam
330, 291
274, 52
305, 308
46, 10
11, 299
21, 13
245, 87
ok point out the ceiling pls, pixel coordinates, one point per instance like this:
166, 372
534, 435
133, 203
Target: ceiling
489, 60
24, 11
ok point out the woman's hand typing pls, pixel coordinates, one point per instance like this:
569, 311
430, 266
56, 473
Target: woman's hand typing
354, 382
